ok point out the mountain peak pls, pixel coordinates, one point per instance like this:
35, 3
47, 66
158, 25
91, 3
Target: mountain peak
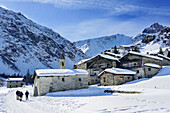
154, 28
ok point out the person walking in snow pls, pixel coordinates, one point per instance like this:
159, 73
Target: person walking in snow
17, 94
21, 95
26, 95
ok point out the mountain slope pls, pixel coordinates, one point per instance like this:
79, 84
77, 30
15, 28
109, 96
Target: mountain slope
26, 45
97, 45
153, 38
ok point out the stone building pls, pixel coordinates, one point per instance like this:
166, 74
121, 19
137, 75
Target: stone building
166, 60
15, 82
113, 54
96, 65
52, 80
151, 69
127, 47
115, 76
135, 61
62, 61
167, 52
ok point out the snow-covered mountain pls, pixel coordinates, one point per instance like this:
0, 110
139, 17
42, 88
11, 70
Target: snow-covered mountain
97, 45
26, 45
152, 38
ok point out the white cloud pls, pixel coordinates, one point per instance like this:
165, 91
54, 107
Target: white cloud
98, 28
115, 7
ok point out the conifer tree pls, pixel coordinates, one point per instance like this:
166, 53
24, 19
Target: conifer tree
115, 50
160, 51
136, 49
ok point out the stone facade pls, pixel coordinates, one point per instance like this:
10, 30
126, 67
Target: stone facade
150, 71
108, 79
14, 83
96, 65
136, 63
62, 62
45, 84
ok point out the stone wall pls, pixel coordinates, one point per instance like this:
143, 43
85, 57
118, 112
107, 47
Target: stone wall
109, 79
14, 84
150, 72
59, 83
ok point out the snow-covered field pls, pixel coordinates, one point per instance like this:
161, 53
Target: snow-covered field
155, 98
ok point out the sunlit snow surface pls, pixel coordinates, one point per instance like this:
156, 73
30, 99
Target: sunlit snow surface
155, 98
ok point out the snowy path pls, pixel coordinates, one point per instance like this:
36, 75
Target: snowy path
152, 100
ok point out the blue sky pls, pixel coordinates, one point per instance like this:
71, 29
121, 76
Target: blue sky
84, 19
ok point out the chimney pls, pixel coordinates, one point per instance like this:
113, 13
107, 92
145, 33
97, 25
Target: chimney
62, 61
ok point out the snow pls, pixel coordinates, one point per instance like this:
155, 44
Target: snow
152, 65
92, 47
109, 57
15, 79
59, 72
119, 55
120, 71
127, 45
145, 55
164, 56
154, 98
101, 55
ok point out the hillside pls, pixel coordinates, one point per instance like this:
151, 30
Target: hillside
153, 38
95, 46
26, 45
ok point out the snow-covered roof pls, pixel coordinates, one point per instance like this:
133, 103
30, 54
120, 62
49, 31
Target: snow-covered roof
108, 57
164, 56
15, 79
101, 55
59, 72
152, 65
127, 45
118, 71
119, 55
82, 61
145, 55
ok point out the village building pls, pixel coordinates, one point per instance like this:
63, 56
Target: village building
113, 54
151, 69
62, 61
52, 80
96, 65
115, 76
167, 52
15, 82
135, 61
127, 47
166, 60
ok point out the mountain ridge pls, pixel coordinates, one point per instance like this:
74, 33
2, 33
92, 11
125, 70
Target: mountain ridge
25, 45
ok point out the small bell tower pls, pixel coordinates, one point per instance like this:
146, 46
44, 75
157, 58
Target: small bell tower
62, 61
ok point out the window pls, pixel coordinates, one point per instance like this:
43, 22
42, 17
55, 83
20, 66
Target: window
79, 79
137, 71
63, 79
104, 79
121, 78
149, 69
62, 63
